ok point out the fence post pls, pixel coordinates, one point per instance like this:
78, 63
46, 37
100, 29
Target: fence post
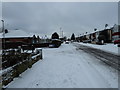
118, 49
41, 54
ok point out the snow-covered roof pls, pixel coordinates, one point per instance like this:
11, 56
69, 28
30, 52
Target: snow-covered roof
97, 30
31, 34
17, 34
108, 27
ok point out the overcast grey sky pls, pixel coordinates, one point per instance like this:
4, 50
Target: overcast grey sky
0, 14
47, 17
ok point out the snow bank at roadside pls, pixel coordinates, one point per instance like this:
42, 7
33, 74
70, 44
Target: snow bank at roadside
107, 47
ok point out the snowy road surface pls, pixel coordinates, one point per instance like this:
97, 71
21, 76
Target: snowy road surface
107, 57
66, 67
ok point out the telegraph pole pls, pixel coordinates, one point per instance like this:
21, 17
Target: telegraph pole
61, 32
3, 26
3, 34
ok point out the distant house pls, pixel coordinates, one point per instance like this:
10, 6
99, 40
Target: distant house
116, 34
105, 35
15, 38
98, 36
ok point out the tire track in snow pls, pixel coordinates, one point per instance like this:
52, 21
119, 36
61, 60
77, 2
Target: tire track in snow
108, 58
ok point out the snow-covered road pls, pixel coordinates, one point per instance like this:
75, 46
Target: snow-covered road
66, 67
107, 57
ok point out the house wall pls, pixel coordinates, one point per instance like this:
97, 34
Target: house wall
24, 40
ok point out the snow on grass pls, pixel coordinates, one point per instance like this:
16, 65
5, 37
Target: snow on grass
107, 47
66, 67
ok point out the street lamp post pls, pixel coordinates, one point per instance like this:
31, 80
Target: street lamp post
3, 27
3, 34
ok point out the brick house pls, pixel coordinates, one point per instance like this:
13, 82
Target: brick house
15, 38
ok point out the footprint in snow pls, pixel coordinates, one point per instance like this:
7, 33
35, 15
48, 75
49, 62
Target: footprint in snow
37, 84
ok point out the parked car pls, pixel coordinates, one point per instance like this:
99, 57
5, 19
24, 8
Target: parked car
51, 45
66, 42
117, 42
87, 41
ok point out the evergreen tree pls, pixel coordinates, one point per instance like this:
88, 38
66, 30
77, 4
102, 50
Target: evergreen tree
73, 37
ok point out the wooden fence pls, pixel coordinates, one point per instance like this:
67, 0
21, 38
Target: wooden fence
12, 70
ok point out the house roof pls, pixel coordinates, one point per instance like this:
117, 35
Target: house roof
16, 34
98, 30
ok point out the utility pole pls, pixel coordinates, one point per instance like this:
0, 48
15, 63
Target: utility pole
3, 34
3, 26
61, 32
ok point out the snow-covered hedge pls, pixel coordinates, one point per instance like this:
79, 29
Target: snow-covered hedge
12, 71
